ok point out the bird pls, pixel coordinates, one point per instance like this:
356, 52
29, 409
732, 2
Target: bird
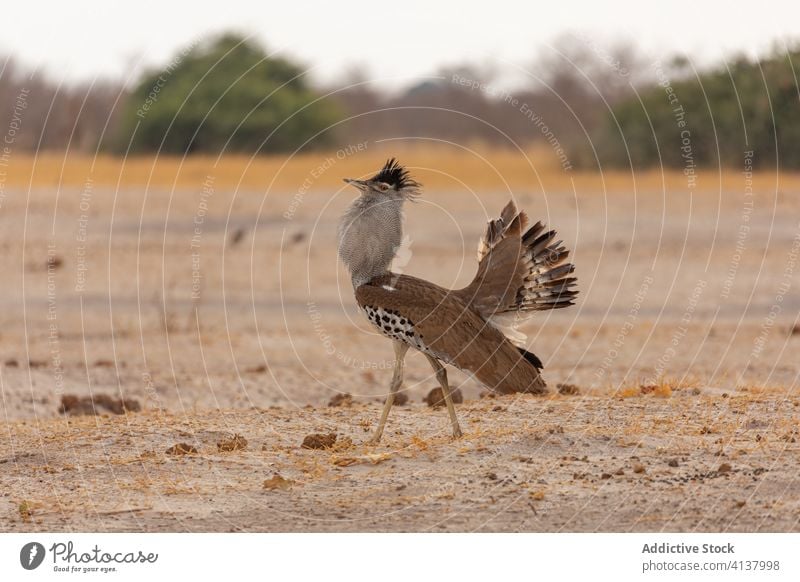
521, 269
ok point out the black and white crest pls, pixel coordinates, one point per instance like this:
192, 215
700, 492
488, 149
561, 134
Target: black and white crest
395, 175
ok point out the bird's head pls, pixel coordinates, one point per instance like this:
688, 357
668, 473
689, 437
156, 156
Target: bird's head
392, 182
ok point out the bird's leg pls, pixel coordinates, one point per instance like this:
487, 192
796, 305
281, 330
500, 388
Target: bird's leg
441, 376
400, 349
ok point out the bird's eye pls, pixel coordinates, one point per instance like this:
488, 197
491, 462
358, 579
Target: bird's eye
382, 186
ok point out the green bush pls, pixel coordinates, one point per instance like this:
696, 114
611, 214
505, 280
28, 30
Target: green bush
726, 111
226, 94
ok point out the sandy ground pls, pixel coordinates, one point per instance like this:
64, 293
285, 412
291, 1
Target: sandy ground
691, 462
226, 312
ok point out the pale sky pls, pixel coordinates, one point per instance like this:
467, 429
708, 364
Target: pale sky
399, 40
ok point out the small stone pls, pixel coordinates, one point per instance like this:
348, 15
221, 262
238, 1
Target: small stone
638, 468
568, 389
435, 397
237, 236
319, 441
400, 399
342, 399
605, 476
673, 462
724, 468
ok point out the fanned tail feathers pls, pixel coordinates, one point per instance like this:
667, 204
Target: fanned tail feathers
496, 230
547, 285
519, 271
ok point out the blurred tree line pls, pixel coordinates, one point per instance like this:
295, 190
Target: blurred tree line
36, 113
710, 117
602, 106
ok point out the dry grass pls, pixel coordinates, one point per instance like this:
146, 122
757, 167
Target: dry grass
24, 510
663, 387
437, 168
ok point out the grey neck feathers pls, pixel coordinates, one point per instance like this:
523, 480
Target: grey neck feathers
370, 233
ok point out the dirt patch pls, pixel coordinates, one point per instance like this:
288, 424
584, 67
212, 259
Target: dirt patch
97, 404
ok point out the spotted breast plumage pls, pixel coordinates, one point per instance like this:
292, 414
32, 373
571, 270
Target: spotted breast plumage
395, 326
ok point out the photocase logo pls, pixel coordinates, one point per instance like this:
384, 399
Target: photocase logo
32, 555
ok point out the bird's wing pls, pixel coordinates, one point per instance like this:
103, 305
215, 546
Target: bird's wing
519, 271
436, 321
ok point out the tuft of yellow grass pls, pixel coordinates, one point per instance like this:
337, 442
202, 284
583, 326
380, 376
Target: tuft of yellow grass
661, 388
628, 392
419, 443
438, 167
24, 510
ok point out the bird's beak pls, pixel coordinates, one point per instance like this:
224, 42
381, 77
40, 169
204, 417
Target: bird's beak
360, 184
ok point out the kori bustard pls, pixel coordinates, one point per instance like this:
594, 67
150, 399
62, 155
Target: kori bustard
520, 270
